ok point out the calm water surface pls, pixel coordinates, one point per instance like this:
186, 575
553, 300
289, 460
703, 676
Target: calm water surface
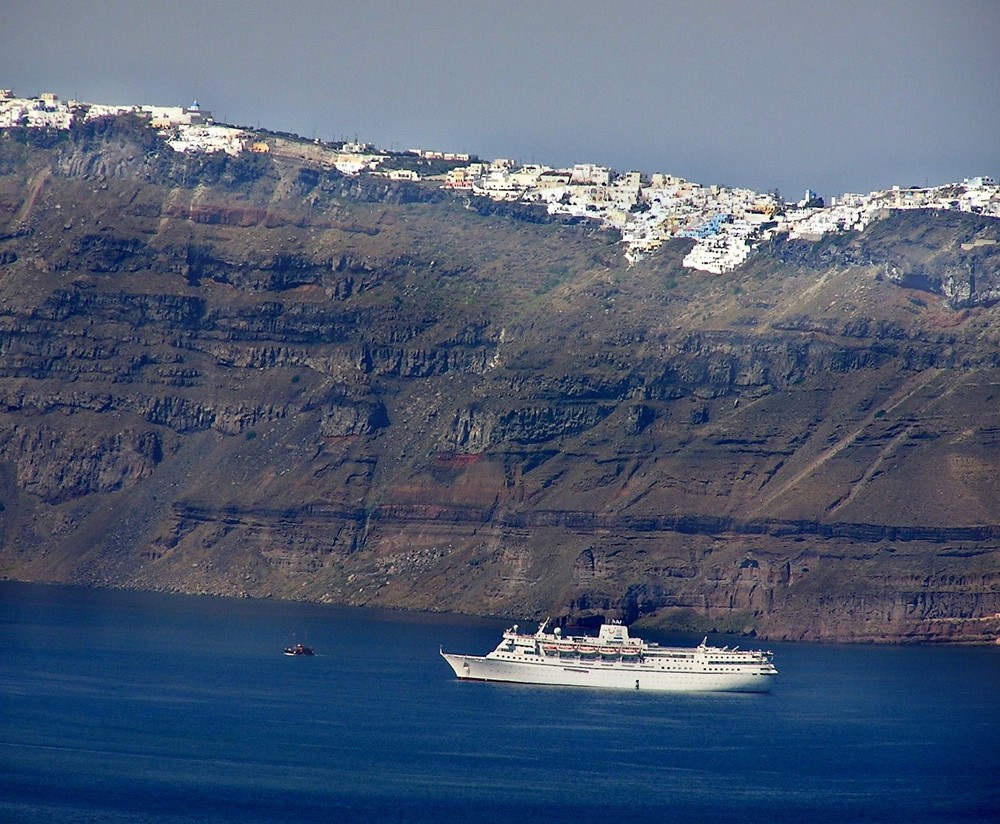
137, 707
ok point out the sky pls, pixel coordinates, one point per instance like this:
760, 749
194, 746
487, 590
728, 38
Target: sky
849, 95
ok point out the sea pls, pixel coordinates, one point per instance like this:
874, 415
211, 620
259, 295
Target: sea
123, 706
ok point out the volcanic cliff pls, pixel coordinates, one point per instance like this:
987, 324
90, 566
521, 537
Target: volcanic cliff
252, 376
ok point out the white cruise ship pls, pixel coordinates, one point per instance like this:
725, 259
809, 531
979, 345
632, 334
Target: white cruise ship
614, 660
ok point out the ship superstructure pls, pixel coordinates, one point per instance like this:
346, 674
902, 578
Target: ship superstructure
616, 660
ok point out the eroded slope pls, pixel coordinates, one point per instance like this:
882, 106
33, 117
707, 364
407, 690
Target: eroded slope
265, 379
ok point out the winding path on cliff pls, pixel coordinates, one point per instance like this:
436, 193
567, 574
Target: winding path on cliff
886, 452
904, 393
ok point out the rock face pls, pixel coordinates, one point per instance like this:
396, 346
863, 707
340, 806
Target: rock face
948, 254
252, 377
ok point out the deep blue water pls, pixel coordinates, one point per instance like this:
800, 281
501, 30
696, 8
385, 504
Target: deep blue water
137, 707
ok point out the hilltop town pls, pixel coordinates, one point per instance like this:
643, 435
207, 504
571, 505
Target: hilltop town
647, 209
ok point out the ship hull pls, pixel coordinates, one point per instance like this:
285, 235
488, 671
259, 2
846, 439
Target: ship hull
618, 675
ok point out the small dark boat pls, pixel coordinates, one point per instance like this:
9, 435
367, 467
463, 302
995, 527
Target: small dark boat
299, 649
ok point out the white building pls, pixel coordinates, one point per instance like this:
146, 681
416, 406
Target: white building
165, 116
209, 139
588, 173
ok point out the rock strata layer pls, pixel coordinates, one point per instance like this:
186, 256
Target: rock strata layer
252, 377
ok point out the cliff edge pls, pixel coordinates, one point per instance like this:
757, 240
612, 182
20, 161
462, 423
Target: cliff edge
251, 376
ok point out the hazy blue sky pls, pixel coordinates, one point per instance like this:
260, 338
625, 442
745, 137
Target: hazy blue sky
851, 95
